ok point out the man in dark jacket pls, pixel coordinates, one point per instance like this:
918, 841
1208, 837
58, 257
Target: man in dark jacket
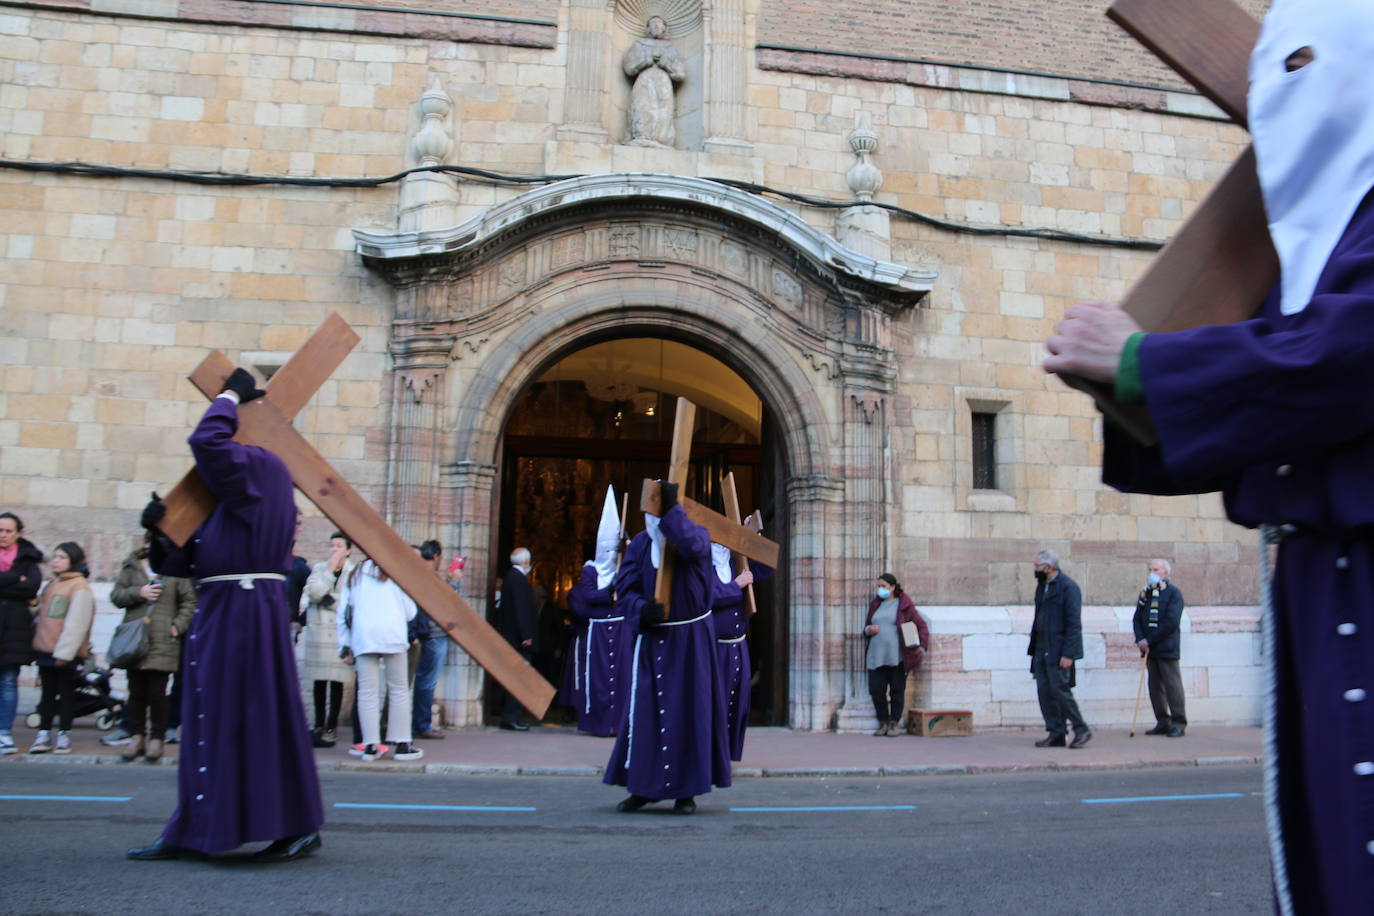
519, 619
1158, 613
1056, 641
20, 578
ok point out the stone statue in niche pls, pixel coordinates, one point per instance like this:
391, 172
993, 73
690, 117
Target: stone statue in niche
654, 65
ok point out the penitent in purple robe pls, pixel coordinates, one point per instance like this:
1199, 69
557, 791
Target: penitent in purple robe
601, 662
732, 654
245, 771
1278, 413
672, 741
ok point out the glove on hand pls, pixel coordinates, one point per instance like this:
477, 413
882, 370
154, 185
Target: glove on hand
153, 513
650, 615
241, 382
669, 497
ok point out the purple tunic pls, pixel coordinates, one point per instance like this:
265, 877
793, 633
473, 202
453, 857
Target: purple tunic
603, 652
732, 653
672, 741
1277, 412
246, 771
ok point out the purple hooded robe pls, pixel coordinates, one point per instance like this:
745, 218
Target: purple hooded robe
245, 771
602, 654
1278, 413
732, 653
672, 741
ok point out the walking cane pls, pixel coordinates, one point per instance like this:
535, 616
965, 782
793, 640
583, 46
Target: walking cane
1139, 691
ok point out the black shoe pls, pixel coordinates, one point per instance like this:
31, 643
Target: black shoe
633, 803
515, 726
290, 848
160, 849
1158, 730
1176, 732
1081, 738
685, 806
430, 735
1052, 741
318, 740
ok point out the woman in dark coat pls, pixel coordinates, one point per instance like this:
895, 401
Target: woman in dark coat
166, 604
20, 578
890, 654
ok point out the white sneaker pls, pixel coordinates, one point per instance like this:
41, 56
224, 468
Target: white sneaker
42, 743
64, 744
7, 746
171, 737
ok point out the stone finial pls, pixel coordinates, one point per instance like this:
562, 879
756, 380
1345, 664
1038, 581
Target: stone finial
864, 177
431, 144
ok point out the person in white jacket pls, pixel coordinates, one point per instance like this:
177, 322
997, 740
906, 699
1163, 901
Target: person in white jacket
372, 636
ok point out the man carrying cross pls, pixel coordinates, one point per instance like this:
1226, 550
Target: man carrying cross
246, 771
672, 741
1276, 412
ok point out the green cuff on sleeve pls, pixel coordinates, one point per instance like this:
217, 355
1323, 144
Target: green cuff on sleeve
1129, 388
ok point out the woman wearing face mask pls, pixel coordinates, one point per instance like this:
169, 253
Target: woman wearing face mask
20, 578
61, 639
889, 656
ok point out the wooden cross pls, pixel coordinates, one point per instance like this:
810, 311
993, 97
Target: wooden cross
1221, 264
721, 529
266, 422
741, 562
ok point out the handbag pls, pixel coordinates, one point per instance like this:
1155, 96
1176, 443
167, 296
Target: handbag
129, 644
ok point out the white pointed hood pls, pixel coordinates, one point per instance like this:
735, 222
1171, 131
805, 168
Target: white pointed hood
1313, 131
607, 541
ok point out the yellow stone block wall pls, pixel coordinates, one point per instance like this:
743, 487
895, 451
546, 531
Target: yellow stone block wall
114, 288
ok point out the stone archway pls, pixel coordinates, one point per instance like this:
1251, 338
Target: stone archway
484, 307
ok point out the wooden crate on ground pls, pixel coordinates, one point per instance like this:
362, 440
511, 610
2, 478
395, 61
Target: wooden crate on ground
939, 723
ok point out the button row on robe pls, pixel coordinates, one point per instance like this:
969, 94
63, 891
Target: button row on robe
1355, 695
1347, 629
1364, 768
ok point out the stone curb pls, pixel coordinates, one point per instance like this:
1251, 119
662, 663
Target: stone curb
738, 772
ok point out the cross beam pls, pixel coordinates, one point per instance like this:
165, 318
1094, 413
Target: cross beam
1221, 264
263, 422
739, 538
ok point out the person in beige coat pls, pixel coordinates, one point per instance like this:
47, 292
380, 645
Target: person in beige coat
320, 660
166, 604
61, 640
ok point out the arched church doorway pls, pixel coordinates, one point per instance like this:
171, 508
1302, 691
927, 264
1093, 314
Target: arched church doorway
602, 414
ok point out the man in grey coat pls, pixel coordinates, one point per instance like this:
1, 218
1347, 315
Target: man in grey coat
1158, 613
1056, 642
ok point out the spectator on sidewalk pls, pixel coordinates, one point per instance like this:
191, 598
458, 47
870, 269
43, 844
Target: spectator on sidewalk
20, 579
519, 616
322, 666
372, 635
61, 641
890, 654
1056, 641
166, 605
433, 642
1158, 614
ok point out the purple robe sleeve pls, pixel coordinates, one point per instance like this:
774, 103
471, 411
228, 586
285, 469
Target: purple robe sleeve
628, 590
687, 536
725, 595
225, 465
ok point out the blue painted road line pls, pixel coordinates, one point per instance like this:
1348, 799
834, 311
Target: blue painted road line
828, 808
434, 807
80, 798
1155, 798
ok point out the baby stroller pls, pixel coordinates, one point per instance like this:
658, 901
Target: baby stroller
93, 697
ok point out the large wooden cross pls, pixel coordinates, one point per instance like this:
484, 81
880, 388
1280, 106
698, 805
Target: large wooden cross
754, 523
740, 539
1221, 264
266, 422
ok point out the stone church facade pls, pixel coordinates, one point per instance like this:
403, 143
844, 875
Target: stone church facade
874, 337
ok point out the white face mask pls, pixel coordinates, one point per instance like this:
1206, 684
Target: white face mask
884, 593
1313, 131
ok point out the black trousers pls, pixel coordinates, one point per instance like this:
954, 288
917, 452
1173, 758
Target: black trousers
510, 706
1166, 692
148, 702
1057, 704
58, 696
330, 693
887, 687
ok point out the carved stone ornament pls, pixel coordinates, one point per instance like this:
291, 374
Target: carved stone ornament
656, 68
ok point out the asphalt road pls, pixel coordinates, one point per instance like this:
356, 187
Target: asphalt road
960, 844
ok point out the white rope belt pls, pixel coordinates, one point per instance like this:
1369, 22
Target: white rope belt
245, 580
736, 639
591, 620
682, 623
587, 668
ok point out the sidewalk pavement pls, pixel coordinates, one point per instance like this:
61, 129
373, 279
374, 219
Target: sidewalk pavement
561, 751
